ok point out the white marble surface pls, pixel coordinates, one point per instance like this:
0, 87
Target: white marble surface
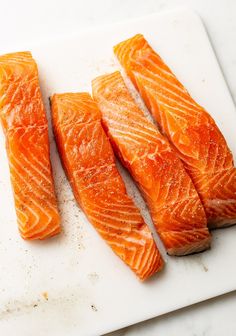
28, 20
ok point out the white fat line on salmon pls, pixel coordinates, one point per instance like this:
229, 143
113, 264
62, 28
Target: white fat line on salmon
137, 131
122, 220
151, 84
127, 133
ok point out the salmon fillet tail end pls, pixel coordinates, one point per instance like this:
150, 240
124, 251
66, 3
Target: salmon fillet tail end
24, 122
192, 131
88, 160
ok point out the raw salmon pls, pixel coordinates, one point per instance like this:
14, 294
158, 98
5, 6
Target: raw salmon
88, 160
25, 126
191, 130
174, 204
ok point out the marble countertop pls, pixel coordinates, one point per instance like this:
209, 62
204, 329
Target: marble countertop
28, 20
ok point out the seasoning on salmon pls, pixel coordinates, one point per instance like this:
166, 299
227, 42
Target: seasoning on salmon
191, 130
25, 126
174, 204
89, 162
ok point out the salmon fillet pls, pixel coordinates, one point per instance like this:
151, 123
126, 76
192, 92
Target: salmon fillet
174, 204
89, 163
25, 126
191, 130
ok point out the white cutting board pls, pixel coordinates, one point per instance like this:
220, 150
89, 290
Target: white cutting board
90, 291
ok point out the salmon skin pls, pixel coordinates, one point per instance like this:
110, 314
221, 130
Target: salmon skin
25, 126
89, 163
191, 130
174, 204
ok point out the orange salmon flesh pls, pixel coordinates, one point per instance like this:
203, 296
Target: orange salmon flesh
190, 129
25, 126
174, 204
89, 163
